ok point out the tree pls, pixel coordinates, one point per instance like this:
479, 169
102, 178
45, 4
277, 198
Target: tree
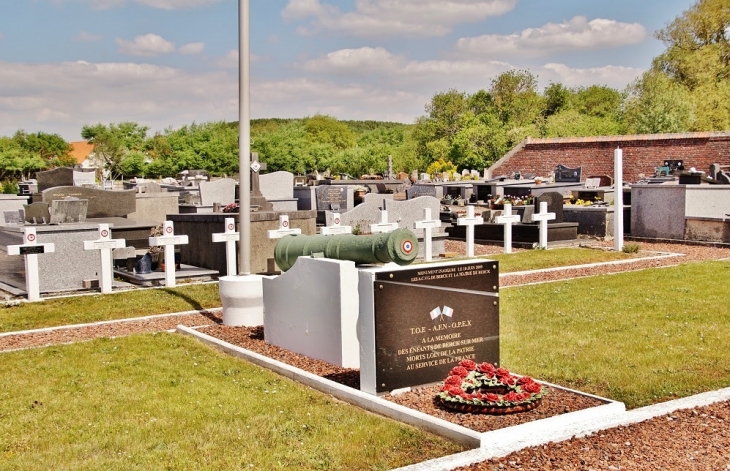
557, 98
516, 98
655, 104
113, 142
51, 148
322, 129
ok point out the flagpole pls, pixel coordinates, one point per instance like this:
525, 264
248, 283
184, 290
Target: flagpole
244, 137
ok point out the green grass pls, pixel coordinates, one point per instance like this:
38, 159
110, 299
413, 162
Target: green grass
164, 401
540, 259
638, 337
83, 309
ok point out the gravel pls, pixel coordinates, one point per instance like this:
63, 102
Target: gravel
696, 439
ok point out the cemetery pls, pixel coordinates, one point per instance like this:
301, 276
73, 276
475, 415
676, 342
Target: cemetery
392, 302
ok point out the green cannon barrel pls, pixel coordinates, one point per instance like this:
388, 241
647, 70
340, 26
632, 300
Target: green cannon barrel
399, 246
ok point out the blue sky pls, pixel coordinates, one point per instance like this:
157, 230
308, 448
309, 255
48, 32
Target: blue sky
167, 63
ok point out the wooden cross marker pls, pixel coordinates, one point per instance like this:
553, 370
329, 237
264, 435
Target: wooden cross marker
336, 228
427, 225
230, 237
283, 230
507, 218
30, 249
169, 240
383, 225
470, 221
104, 244
543, 216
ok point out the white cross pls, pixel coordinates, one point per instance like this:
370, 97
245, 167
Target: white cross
543, 216
470, 221
383, 225
427, 225
507, 218
284, 229
31, 248
169, 240
104, 244
230, 237
336, 228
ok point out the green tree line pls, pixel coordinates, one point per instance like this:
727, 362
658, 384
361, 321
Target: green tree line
687, 88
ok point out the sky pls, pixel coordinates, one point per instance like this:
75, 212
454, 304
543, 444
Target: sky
169, 63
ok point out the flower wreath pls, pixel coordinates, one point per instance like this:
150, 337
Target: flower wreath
487, 389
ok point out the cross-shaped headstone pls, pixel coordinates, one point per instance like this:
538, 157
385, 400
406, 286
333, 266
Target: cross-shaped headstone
284, 228
336, 227
507, 218
169, 240
543, 217
31, 248
427, 225
470, 221
383, 225
230, 237
105, 244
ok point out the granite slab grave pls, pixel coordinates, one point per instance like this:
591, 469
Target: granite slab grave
331, 198
221, 191
102, 203
278, 189
68, 210
61, 176
414, 191
37, 213
13, 217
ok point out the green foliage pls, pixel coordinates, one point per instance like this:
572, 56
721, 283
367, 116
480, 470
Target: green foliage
631, 248
9, 187
569, 123
516, 98
655, 104
325, 130
441, 166
113, 142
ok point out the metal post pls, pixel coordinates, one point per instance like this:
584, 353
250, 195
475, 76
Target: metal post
618, 200
244, 137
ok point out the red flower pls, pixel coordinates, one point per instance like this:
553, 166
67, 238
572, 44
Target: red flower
459, 371
455, 390
512, 397
468, 364
507, 380
532, 388
491, 397
525, 380
502, 372
487, 368
453, 381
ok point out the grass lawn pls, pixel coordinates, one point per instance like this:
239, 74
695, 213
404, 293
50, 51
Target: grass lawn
165, 401
638, 337
541, 259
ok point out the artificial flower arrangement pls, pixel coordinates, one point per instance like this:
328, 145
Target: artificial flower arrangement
230, 208
486, 389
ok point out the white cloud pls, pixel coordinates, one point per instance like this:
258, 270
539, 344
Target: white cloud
613, 76
395, 18
576, 34
230, 60
85, 36
146, 45
161, 4
192, 48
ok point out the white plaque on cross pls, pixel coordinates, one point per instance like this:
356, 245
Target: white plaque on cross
336, 227
230, 237
30, 249
383, 225
169, 240
470, 221
284, 228
104, 244
543, 217
507, 219
427, 225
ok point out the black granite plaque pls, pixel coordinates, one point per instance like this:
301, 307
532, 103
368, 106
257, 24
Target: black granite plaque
566, 174
415, 191
427, 320
331, 196
32, 249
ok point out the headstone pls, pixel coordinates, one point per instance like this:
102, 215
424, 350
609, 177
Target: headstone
151, 187
543, 217
221, 191
230, 237
102, 203
451, 314
336, 227
37, 213
30, 249
470, 221
567, 174
414, 191
277, 185
84, 178
527, 214
284, 229
475, 175
383, 225
593, 183
105, 244
555, 204
331, 197
169, 240
425, 177
61, 176
68, 210
507, 219
13, 217
427, 224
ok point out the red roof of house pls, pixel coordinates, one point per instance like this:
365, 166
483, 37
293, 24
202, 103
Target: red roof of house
80, 150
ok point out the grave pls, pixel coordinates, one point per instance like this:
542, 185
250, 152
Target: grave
30, 249
554, 205
61, 176
278, 189
331, 198
37, 213
12, 203
222, 192
414, 191
101, 203
68, 210
567, 174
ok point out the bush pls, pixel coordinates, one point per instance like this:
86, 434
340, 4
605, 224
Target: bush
631, 248
10, 187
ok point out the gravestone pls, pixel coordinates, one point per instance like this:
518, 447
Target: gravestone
555, 205
61, 176
14, 217
278, 189
331, 198
84, 178
414, 191
68, 210
221, 191
415, 324
567, 174
37, 213
102, 203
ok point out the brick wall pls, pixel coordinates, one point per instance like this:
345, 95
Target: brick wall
641, 154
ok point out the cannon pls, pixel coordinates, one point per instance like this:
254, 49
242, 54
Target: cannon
399, 246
